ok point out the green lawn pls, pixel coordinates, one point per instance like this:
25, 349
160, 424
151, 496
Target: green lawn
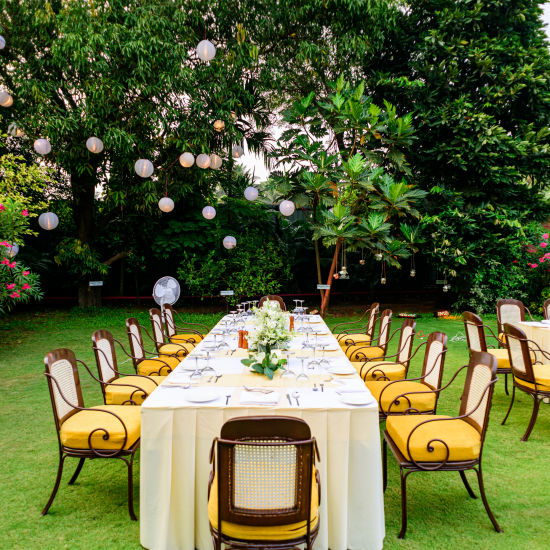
93, 513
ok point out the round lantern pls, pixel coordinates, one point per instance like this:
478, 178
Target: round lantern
206, 50
203, 161
14, 130
94, 144
13, 249
413, 273
187, 160
166, 204
48, 220
219, 125
250, 193
378, 256
42, 146
229, 242
209, 212
383, 280
2, 42
5, 99
144, 168
286, 208
215, 161
237, 151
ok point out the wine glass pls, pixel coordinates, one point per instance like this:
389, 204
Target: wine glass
288, 372
302, 375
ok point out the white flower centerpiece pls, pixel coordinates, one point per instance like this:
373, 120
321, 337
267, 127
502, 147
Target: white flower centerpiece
272, 331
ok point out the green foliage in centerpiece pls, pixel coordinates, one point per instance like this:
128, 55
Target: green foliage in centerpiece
264, 362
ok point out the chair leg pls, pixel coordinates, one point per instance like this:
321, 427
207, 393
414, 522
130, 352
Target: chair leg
511, 403
384, 464
77, 471
130, 464
62, 458
506, 383
403, 503
534, 414
466, 484
484, 498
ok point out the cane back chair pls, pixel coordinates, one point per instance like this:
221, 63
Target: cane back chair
117, 389
509, 311
273, 298
529, 377
190, 333
377, 347
420, 394
476, 339
354, 333
164, 348
546, 309
424, 443
105, 431
264, 489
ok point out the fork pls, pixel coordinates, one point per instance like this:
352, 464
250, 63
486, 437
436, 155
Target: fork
261, 390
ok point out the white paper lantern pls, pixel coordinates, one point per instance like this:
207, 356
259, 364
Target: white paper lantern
286, 208
229, 242
94, 144
48, 220
187, 160
12, 251
215, 161
203, 161
209, 212
5, 99
250, 193
237, 151
144, 168
166, 204
413, 272
219, 125
383, 280
42, 146
378, 256
2, 42
206, 50
14, 130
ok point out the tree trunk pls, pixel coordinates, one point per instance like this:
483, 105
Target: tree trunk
324, 305
318, 263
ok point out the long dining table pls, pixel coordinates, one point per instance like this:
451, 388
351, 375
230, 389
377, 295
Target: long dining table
180, 419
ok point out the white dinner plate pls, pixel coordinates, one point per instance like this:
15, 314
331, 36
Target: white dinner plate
342, 369
356, 398
201, 395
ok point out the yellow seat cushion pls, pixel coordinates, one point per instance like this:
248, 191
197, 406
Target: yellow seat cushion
371, 370
259, 532
121, 389
503, 360
423, 402
361, 353
463, 440
351, 339
186, 338
502, 337
75, 430
181, 350
542, 377
148, 366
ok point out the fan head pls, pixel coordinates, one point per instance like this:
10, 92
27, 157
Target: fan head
166, 291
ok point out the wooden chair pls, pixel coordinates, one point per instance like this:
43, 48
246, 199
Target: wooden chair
189, 331
529, 377
146, 362
117, 389
106, 431
163, 347
354, 333
476, 339
419, 395
509, 311
264, 489
377, 346
273, 298
546, 309
424, 443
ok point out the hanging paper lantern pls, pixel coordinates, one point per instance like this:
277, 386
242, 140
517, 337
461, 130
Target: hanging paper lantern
378, 256
383, 280
14, 130
215, 161
94, 145
166, 204
12, 251
42, 146
48, 220
206, 50
187, 160
144, 168
250, 193
229, 242
203, 161
2, 42
413, 273
237, 151
361, 262
209, 212
219, 125
5, 99
286, 208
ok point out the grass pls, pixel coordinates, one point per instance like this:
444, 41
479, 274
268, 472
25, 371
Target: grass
93, 514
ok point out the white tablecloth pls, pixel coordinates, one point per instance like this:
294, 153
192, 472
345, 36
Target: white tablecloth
539, 332
176, 436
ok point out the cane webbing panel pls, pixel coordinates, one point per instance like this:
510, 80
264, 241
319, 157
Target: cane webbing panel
264, 477
384, 331
481, 377
157, 329
473, 336
510, 313
170, 325
62, 371
518, 362
406, 344
434, 362
372, 320
547, 311
105, 359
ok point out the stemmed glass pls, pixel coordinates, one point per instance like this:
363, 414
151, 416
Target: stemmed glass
288, 372
302, 375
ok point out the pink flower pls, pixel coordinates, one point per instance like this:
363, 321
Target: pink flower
545, 236
5, 261
515, 262
25, 286
12, 265
10, 286
25, 212
543, 245
533, 265
541, 260
15, 295
2, 207
4, 243
25, 273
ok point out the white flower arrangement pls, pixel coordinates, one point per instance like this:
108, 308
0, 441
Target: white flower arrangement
271, 327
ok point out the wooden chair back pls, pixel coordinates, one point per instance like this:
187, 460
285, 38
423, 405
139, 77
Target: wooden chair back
475, 335
371, 322
273, 298
169, 320
406, 340
135, 340
385, 327
434, 359
546, 309
509, 311
519, 354
157, 327
105, 356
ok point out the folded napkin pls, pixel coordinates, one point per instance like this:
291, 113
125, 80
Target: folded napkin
259, 398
